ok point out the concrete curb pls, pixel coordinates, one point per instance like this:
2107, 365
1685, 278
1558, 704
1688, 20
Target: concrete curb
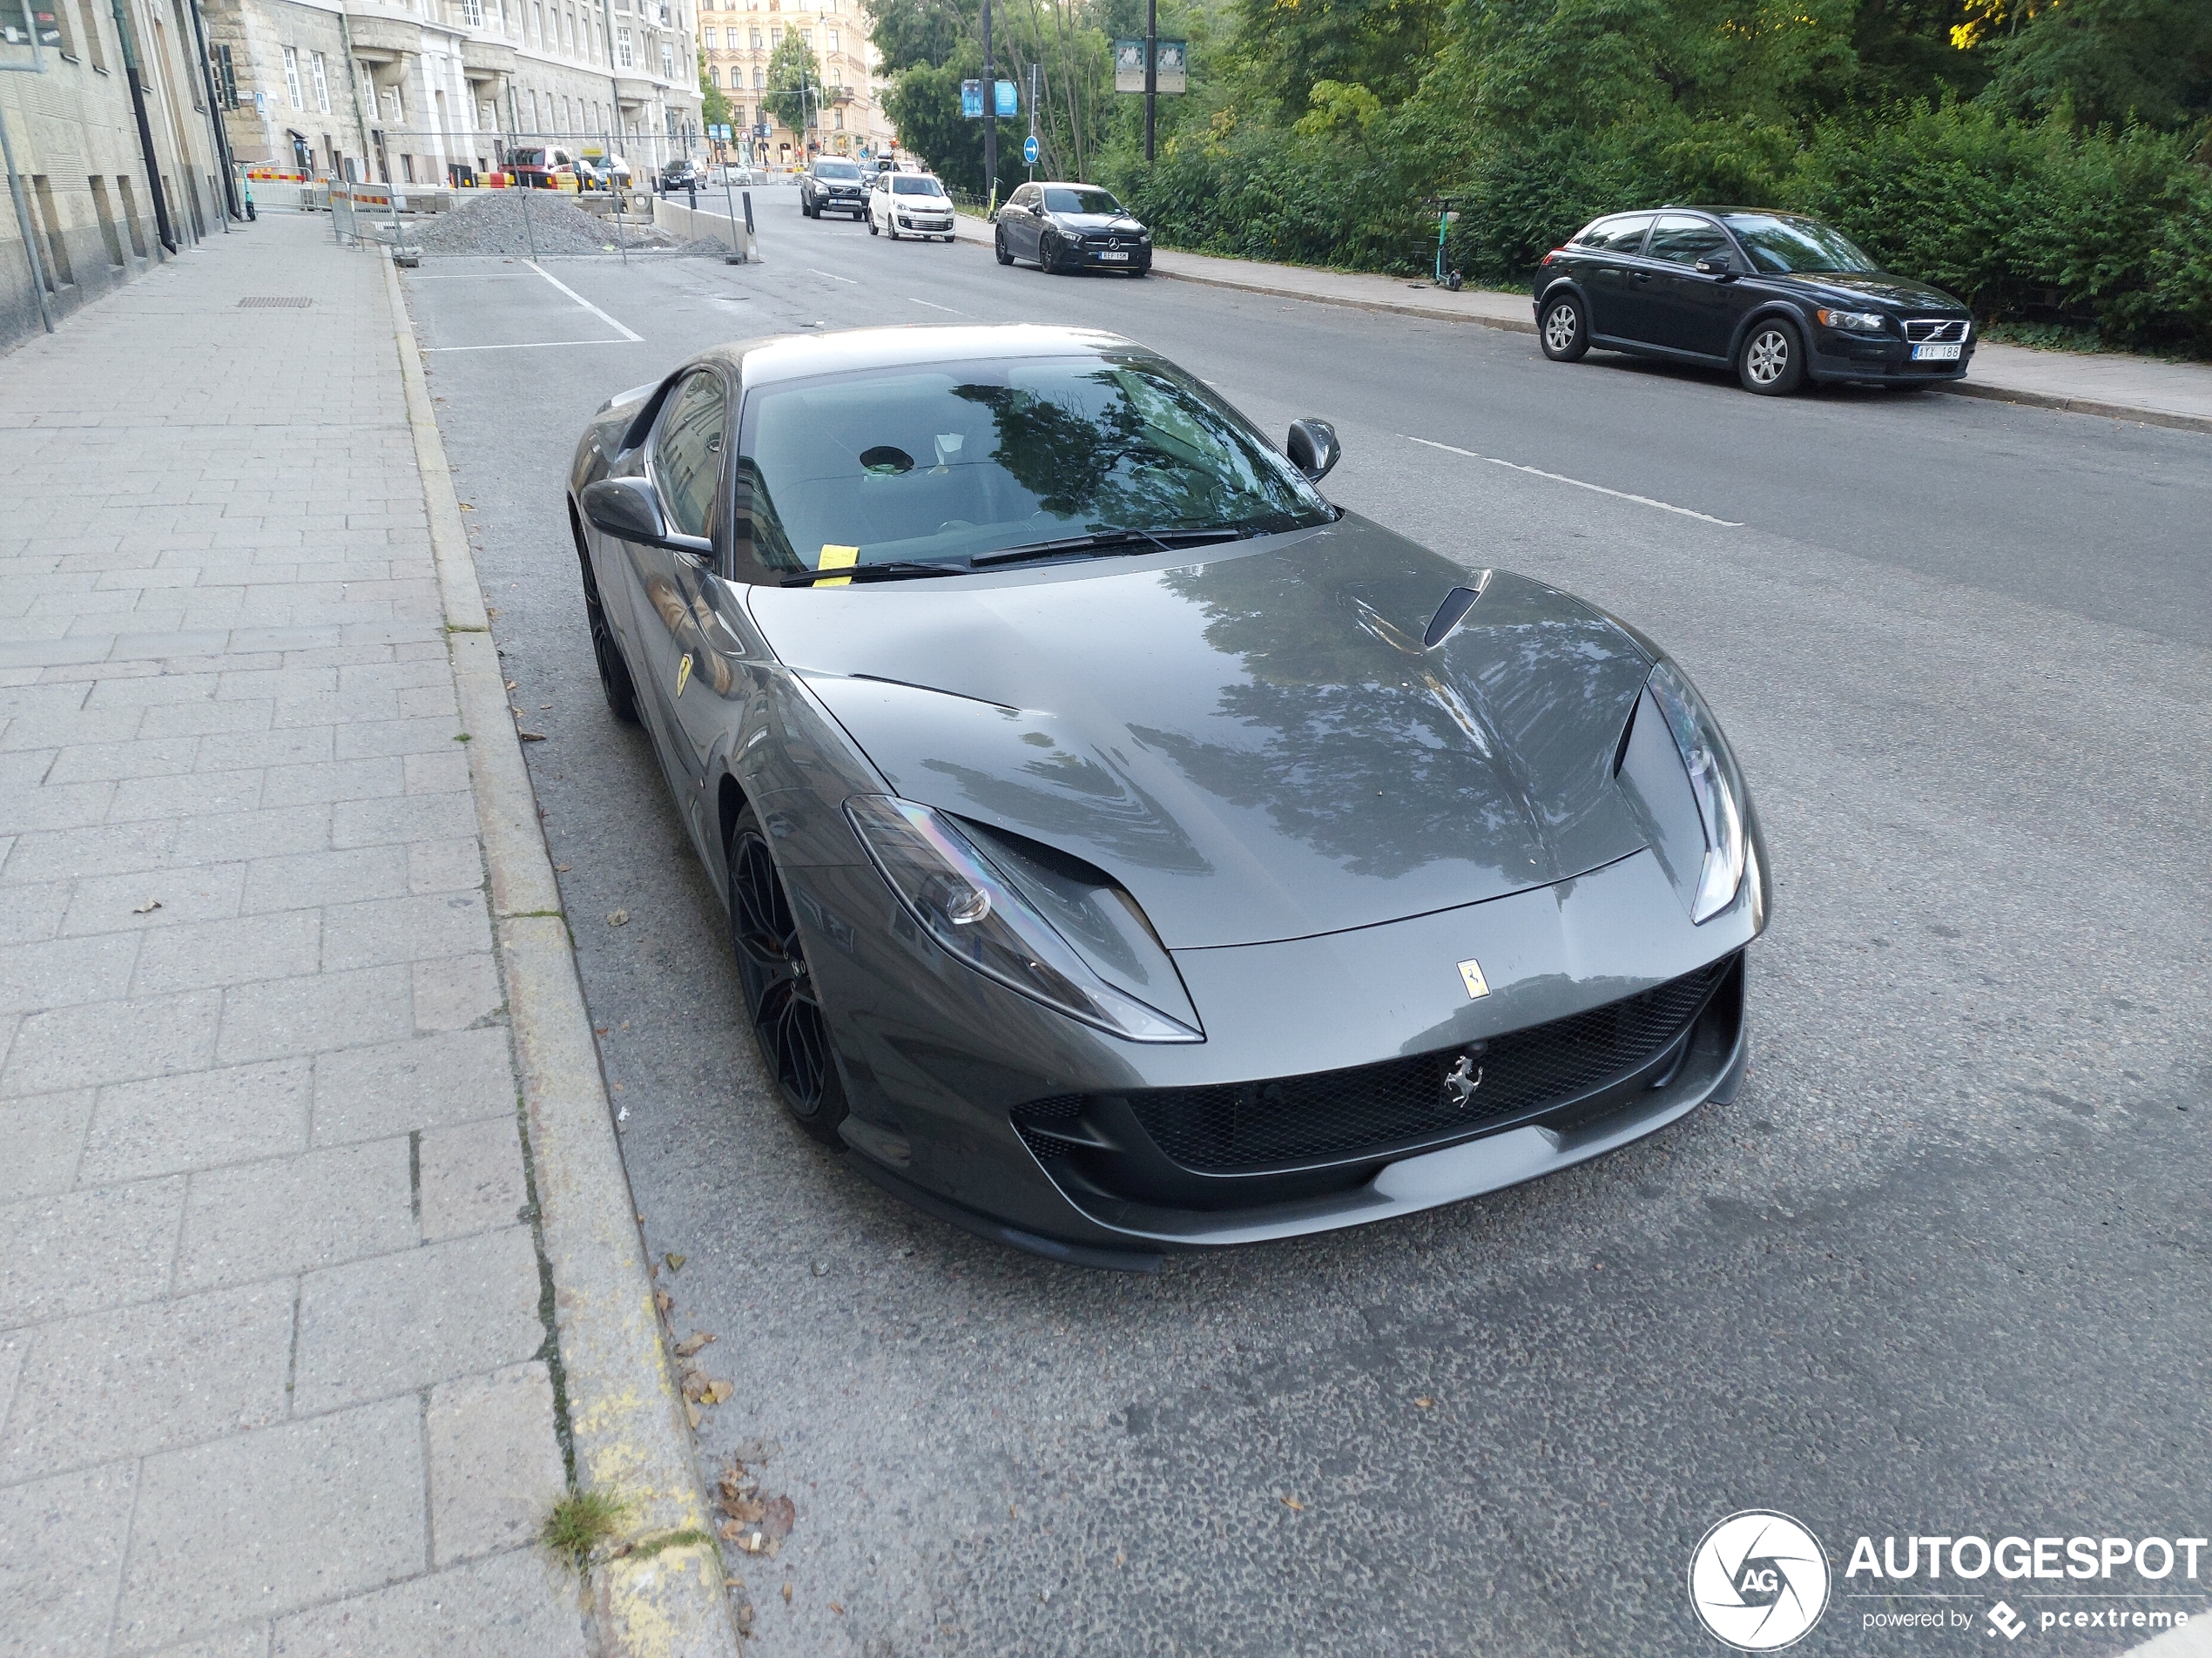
975, 230
624, 1412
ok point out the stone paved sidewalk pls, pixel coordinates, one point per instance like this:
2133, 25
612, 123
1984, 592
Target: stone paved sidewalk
272, 1363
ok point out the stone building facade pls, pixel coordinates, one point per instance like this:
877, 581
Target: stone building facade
107, 195
434, 91
736, 38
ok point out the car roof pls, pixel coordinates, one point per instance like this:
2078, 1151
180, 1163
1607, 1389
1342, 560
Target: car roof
802, 356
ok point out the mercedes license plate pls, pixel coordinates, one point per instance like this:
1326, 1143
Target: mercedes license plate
1123, 257
1935, 353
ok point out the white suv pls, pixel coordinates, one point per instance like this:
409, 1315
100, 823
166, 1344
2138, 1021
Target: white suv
911, 204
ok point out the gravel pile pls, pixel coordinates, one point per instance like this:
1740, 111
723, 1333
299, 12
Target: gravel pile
494, 223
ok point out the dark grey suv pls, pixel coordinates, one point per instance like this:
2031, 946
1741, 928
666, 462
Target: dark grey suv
1778, 298
833, 185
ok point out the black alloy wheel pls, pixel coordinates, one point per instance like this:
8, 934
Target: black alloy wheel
1048, 252
1564, 336
998, 246
614, 672
787, 1018
1771, 361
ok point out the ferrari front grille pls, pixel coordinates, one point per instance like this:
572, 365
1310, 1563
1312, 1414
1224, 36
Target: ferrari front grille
1333, 1116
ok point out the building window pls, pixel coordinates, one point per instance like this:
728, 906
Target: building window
776, 37
225, 77
667, 61
707, 39
755, 40
758, 77
806, 38
832, 40
622, 55
291, 78
321, 80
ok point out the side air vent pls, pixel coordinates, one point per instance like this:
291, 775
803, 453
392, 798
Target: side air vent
1453, 611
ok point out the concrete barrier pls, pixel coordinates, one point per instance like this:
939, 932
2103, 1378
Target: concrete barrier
699, 224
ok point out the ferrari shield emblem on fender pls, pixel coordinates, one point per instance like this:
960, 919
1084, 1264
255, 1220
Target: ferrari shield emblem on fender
684, 679
1471, 976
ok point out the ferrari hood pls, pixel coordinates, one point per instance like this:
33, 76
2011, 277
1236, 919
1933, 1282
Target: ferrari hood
1257, 747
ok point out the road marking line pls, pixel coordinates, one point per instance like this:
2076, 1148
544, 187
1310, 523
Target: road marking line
1561, 477
538, 345
947, 309
834, 277
469, 276
638, 338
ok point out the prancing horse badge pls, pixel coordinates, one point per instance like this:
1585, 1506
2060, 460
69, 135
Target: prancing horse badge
684, 679
1471, 976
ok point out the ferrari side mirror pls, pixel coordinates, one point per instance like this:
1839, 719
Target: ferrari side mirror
629, 510
1313, 447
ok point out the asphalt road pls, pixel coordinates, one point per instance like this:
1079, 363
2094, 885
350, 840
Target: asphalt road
1941, 1268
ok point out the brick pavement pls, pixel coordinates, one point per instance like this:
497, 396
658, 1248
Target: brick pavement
273, 1372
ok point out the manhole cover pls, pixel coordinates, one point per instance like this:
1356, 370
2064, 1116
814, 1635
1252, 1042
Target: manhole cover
274, 302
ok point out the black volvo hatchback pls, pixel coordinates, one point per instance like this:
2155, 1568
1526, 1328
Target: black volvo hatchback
1776, 297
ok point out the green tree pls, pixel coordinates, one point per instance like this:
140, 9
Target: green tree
794, 91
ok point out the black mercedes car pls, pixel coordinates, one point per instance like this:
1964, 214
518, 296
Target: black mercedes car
1071, 227
833, 184
1778, 298
1125, 849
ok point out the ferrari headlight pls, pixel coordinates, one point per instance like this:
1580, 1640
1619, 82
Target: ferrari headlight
1698, 736
974, 912
1852, 321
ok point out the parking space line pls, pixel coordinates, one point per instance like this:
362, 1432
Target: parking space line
539, 345
1561, 477
638, 338
947, 309
834, 277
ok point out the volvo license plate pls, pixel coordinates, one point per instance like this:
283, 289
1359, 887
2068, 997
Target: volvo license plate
1123, 257
1936, 353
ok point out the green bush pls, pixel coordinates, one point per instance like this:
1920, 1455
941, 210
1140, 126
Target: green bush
2029, 222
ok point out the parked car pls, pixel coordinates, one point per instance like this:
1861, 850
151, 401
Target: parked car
1071, 227
910, 204
1778, 297
832, 184
683, 174
1125, 847
602, 172
536, 165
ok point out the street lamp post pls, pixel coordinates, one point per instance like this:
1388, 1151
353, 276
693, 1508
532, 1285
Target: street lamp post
990, 114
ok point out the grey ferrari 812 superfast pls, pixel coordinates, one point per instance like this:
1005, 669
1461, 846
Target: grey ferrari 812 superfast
1125, 849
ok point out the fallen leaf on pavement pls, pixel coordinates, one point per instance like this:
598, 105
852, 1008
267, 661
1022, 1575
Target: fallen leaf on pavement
837, 1608
692, 1411
786, 1594
1424, 1402
510, 685
148, 907
617, 918
563, 868
674, 1262
777, 1517
664, 1300
731, 1531
531, 737
745, 1512
693, 1342
1294, 1504
718, 1392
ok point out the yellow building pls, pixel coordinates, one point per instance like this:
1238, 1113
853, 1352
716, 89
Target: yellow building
736, 38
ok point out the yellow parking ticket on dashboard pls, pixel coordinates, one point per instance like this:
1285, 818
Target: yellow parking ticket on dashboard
835, 557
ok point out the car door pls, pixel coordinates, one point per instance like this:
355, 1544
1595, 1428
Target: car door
1021, 222
685, 458
1684, 309
1603, 256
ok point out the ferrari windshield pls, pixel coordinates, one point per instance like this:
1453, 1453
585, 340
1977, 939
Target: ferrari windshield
947, 462
1803, 245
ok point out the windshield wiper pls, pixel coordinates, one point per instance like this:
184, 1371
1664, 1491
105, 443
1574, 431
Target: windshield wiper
891, 570
1102, 542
